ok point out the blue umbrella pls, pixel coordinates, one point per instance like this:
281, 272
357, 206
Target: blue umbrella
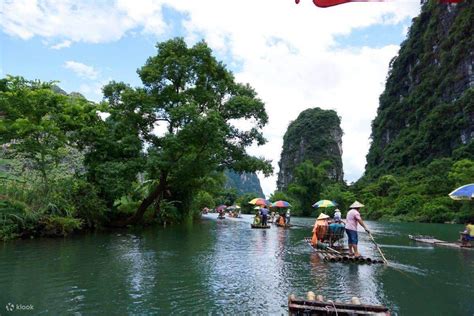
466, 192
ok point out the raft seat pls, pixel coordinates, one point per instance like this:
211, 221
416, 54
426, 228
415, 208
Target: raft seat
334, 237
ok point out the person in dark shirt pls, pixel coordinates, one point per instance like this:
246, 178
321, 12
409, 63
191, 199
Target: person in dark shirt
264, 213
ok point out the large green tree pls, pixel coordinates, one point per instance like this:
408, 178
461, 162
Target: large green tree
309, 181
185, 118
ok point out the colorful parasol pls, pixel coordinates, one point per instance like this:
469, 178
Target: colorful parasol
260, 202
281, 204
324, 203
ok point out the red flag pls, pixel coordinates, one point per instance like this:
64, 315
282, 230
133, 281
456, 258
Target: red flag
330, 3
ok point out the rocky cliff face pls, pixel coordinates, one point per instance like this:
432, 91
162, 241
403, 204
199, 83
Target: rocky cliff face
427, 108
243, 182
315, 135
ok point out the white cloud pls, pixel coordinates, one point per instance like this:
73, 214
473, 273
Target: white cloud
82, 70
80, 21
63, 44
93, 90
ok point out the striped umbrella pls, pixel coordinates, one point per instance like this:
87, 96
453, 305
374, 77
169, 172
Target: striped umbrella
324, 203
260, 201
281, 204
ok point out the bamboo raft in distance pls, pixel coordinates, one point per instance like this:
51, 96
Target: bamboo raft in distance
316, 305
259, 226
341, 256
433, 241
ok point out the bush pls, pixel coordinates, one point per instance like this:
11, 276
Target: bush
436, 213
16, 220
408, 204
88, 206
52, 226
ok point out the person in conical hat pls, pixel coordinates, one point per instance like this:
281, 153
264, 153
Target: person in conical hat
352, 219
320, 228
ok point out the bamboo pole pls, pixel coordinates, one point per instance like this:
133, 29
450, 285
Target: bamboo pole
378, 248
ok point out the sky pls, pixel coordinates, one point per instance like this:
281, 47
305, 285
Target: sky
295, 56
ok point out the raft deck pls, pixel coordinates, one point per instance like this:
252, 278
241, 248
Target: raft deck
259, 226
297, 306
340, 255
433, 241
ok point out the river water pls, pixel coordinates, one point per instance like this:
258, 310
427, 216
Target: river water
224, 267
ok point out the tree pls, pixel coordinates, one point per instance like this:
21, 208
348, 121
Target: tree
279, 195
185, 115
462, 172
38, 123
115, 145
308, 183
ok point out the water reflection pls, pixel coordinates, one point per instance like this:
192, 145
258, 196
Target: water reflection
139, 263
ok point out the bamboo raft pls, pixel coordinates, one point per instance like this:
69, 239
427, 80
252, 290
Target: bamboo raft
220, 217
259, 226
340, 255
433, 241
316, 305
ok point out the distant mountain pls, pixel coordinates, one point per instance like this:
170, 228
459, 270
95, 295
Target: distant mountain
316, 136
243, 183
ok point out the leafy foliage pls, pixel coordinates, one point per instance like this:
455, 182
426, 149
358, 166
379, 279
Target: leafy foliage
426, 111
422, 146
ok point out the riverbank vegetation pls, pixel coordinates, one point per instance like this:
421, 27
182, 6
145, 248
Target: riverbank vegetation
151, 154
419, 194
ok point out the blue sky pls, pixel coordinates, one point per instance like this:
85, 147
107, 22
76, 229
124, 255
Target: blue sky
295, 56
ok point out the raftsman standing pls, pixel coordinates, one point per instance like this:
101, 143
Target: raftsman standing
352, 219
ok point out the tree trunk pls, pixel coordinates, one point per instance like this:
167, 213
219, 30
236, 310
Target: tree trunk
155, 195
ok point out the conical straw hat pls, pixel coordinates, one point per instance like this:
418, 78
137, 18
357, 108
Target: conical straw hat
322, 216
357, 204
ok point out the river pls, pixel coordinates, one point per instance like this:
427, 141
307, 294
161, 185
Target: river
224, 267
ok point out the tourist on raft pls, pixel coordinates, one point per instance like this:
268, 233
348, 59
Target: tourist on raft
320, 229
256, 219
352, 219
468, 234
282, 219
288, 215
264, 214
336, 228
